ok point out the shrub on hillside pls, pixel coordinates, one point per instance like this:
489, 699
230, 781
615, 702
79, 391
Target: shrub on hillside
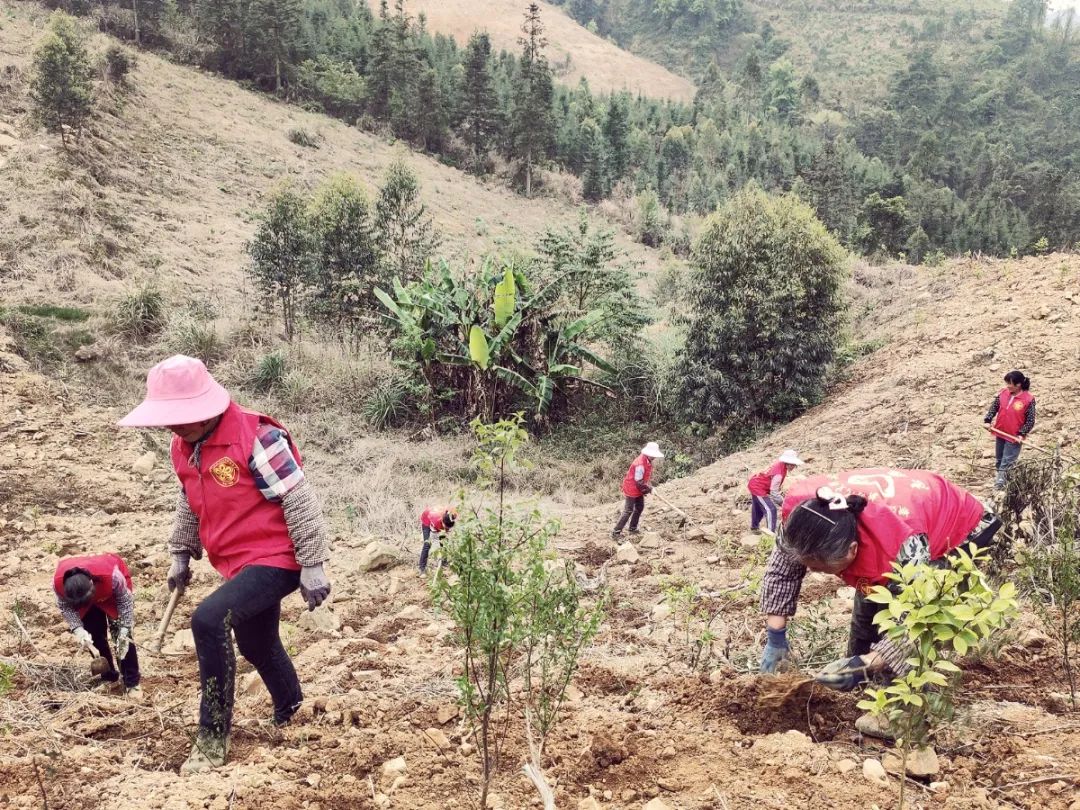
140, 313
60, 82
119, 62
767, 312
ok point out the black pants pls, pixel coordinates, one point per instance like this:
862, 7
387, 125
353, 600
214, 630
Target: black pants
97, 625
250, 605
632, 509
864, 633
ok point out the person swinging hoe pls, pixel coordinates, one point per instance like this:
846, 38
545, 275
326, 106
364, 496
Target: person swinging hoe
855, 524
245, 501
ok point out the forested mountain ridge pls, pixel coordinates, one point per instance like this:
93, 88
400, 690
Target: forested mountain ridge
970, 150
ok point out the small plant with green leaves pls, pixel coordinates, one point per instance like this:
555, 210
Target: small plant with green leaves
938, 613
515, 609
693, 620
140, 313
1042, 516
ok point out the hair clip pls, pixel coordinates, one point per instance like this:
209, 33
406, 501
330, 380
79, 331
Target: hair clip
835, 499
806, 505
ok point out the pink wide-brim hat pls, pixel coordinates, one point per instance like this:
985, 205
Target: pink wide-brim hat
179, 391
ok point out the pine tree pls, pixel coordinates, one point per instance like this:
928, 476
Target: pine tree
224, 23
617, 134
405, 66
347, 265
404, 229
533, 129
431, 116
380, 69
479, 104
276, 29
281, 254
594, 178
60, 82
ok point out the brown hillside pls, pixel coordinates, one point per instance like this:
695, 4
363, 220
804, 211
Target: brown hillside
639, 722
172, 176
606, 66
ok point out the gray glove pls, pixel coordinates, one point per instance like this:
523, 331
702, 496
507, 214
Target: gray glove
844, 674
314, 586
179, 572
776, 649
83, 637
776, 498
123, 642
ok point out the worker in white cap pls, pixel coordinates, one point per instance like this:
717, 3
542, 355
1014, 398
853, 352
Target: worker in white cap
764, 488
635, 487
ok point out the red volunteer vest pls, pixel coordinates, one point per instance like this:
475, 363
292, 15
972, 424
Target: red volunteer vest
761, 483
238, 527
101, 567
1010, 417
629, 485
433, 517
901, 503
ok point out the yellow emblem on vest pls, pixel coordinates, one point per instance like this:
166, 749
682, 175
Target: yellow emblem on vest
1018, 406
225, 471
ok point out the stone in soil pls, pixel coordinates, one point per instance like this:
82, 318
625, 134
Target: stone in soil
920, 763
627, 553
874, 772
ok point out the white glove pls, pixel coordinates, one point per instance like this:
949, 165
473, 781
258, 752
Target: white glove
84, 638
123, 642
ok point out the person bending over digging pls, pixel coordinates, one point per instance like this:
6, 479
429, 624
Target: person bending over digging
765, 497
635, 487
95, 597
438, 519
855, 524
1010, 419
243, 499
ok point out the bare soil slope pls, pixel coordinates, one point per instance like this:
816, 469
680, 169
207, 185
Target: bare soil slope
378, 669
572, 49
173, 173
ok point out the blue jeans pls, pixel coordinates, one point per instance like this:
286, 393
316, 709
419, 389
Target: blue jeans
249, 604
1005, 453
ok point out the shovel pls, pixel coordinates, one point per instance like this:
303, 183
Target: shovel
1025, 442
154, 646
668, 503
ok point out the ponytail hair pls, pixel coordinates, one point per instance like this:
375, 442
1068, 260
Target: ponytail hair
1017, 378
823, 527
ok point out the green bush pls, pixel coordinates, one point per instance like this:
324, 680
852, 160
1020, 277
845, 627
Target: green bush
141, 313
301, 137
387, 404
269, 373
767, 312
33, 338
119, 62
195, 338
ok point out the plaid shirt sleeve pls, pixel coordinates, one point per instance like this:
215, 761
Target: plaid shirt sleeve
125, 599
781, 584
185, 532
70, 614
273, 465
307, 528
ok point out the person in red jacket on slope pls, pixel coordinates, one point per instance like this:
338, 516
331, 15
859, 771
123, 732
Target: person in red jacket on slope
635, 487
438, 519
244, 500
95, 597
765, 496
856, 524
1010, 419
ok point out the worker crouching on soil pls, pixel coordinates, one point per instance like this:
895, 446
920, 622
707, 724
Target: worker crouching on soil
765, 495
438, 519
1010, 419
244, 499
855, 524
635, 487
95, 597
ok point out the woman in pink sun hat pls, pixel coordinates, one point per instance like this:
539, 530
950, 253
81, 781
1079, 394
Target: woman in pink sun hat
245, 501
